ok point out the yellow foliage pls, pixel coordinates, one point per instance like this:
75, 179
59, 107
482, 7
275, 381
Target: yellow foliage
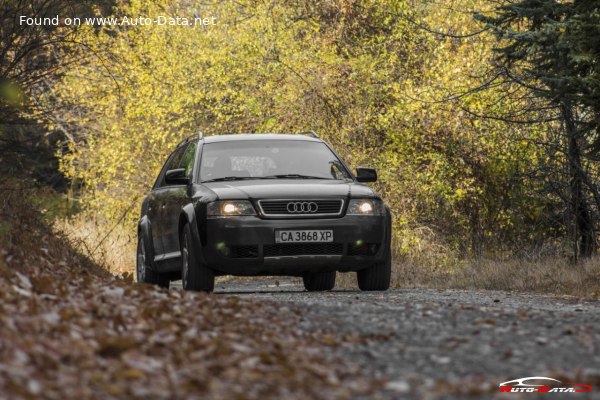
361, 73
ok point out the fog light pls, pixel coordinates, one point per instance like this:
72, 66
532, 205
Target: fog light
223, 249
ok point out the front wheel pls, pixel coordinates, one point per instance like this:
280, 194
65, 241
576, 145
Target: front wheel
376, 277
194, 274
144, 274
320, 281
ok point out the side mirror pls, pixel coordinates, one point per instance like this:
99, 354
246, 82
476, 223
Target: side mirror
176, 177
366, 174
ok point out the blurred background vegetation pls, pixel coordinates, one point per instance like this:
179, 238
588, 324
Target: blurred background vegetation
481, 116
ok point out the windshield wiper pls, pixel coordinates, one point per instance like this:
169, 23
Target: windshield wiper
293, 176
282, 176
233, 178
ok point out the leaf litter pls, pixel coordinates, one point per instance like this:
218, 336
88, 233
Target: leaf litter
70, 330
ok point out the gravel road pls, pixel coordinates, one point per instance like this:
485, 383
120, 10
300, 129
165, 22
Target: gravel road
426, 343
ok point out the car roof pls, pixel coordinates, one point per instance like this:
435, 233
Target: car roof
259, 136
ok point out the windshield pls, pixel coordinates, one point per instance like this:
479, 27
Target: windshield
269, 159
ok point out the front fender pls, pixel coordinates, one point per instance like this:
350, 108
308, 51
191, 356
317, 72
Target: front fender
188, 216
145, 232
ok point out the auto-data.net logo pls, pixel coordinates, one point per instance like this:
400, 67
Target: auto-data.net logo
542, 384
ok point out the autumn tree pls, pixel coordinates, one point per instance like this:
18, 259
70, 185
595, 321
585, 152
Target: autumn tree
360, 73
551, 48
31, 55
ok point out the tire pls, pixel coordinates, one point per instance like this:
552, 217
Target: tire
143, 272
194, 275
319, 282
376, 277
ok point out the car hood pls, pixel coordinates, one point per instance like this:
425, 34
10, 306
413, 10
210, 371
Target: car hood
288, 189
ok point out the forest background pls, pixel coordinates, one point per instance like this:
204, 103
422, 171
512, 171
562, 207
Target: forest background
481, 117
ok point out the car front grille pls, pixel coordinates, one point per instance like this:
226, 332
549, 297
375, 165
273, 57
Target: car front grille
302, 249
301, 208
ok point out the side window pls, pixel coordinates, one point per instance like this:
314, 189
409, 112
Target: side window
187, 160
337, 170
173, 162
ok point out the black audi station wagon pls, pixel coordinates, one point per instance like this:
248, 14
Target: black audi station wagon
262, 204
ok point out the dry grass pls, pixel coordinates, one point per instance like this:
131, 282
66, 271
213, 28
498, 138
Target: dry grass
549, 275
108, 245
425, 262
425, 266
552, 275
111, 246
27, 239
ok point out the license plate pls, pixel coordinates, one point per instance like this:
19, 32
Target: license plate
304, 236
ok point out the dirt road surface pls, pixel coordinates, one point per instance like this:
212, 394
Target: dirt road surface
428, 343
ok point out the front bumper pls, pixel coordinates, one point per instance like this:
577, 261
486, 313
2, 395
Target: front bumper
246, 245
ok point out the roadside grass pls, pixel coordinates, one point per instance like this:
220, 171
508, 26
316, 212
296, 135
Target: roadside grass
423, 261
113, 247
109, 245
547, 275
425, 264
25, 233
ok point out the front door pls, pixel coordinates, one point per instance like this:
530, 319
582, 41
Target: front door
175, 199
159, 201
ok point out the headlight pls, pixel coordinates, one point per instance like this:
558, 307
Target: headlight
365, 207
228, 208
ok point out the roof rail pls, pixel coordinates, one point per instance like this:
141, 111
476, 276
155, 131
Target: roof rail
197, 135
310, 133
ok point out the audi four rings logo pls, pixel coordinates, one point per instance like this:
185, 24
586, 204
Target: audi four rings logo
302, 207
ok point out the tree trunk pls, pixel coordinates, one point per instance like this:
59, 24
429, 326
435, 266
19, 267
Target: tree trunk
584, 236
